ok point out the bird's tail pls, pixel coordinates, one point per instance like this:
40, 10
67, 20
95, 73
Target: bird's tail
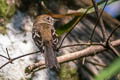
50, 56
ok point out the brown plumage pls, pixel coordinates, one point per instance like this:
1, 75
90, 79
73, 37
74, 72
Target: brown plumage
45, 38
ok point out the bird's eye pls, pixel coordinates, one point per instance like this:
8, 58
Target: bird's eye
48, 18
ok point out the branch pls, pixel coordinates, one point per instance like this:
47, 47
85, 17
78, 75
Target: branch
4, 57
112, 33
114, 50
96, 63
102, 23
108, 42
83, 43
13, 59
92, 50
99, 19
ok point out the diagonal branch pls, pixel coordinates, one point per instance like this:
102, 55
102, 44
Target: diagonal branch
99, 19
108, 42
79, 19
112, 33
92, 50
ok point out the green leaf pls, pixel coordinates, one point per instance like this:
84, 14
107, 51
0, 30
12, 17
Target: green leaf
67, 27
110, 71
70, 25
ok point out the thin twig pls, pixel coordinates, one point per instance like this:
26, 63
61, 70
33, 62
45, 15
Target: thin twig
98, 22
11, 60
102, 24
8, 54
96, 7
112, 33
108, 42
72, 28
79, 44
4, 57
113, 50
101, 20
96, 63
83, 60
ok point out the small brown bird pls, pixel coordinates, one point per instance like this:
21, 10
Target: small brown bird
45, 38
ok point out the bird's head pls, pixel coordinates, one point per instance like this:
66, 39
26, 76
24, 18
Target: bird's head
45, 19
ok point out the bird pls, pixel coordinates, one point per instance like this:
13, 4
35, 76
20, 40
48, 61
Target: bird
45, 38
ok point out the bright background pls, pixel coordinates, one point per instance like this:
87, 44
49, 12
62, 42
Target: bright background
113, 9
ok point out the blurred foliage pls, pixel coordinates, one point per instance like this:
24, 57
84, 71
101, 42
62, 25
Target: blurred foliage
3, 30
110, 71
30, 7
3, 8
6, 11
68, 73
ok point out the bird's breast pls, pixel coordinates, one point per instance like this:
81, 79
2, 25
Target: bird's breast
46, 34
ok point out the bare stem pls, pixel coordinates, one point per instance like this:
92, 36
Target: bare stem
92, 50
99, 19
